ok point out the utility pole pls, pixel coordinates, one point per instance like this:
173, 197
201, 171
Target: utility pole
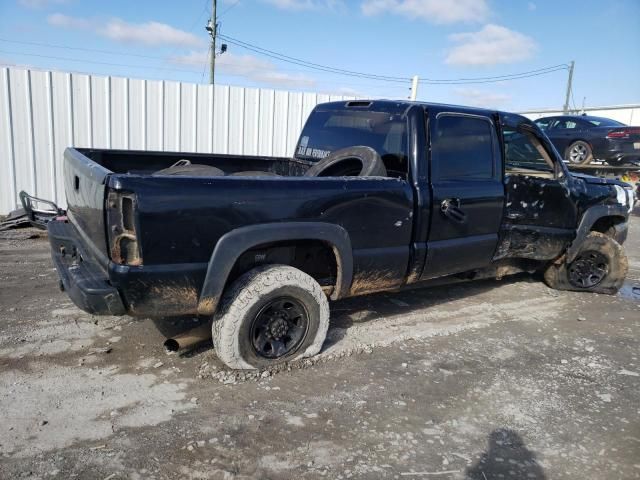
414, 88
212, 28
569, 86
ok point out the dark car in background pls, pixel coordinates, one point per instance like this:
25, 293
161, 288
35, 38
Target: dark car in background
582, 138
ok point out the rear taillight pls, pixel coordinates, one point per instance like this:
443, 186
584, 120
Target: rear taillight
121, 228
624, 132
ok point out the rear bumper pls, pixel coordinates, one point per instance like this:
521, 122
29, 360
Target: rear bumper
84, 280
618, 149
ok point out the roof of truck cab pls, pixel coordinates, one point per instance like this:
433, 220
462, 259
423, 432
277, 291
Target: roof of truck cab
399, 105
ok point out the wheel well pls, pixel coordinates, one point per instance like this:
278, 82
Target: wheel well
606, 225
314, 257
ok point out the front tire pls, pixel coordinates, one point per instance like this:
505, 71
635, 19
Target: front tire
600, 266
270, 315
579, 153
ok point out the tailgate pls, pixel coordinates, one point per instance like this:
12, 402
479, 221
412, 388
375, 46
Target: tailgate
84, 183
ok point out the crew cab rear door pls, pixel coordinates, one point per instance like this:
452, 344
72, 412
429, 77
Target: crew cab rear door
467, 192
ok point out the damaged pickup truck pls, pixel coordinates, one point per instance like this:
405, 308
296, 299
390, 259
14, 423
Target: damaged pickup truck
379, 196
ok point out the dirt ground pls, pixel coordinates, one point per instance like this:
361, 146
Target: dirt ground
485, 380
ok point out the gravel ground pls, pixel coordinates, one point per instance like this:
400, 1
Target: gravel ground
484, 380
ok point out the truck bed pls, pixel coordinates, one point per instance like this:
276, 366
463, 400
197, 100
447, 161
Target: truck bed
133, 162
178, 220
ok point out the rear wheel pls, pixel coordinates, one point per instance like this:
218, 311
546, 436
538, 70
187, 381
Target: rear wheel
600, 266
579, 153
270, 315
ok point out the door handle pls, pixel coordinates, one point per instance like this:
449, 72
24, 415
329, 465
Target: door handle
450, 208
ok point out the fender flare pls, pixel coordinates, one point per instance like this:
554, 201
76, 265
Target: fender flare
234, 243
589, 218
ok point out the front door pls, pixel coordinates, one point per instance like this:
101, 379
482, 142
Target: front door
540, 213
468, 193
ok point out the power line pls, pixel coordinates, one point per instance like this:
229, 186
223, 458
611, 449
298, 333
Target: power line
432, 81
179, 70
230, 7
499, 78
94, 50
311, 65
473, 82
204, 68
100, 63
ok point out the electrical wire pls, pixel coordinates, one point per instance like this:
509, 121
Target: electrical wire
230, 7
560, 66
311, 65
575, 109
151, 67
432, 81
178, 70
318, 67
107, 52
204, 68
82, 49
474, 82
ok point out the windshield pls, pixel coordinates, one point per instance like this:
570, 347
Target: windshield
326, 132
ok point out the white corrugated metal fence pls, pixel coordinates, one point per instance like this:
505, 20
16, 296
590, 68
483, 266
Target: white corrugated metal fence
43, 112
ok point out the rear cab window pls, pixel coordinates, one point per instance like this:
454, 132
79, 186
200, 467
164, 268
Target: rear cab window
328, 131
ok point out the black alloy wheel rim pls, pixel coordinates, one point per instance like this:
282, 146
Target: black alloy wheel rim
279, 328
588, 269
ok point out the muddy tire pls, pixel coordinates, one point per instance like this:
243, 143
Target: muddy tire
579, 153
600, 266
271, 314
357, 161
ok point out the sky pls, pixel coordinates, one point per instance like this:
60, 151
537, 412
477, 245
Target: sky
434, 39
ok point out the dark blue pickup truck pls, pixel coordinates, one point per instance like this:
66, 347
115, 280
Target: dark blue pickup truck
380, 195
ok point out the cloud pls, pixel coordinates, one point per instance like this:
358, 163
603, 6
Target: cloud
306, 4
65, 21
492, 45
249, 66
38, 4
531, 6
148, 33
481, 98
433, 11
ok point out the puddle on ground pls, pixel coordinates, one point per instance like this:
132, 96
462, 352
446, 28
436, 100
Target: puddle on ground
630, 291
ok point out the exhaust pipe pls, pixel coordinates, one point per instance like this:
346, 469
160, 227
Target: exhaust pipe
188, 339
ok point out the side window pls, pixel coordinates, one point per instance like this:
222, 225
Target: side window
462, 147
543, 124
567, 124
524, 154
